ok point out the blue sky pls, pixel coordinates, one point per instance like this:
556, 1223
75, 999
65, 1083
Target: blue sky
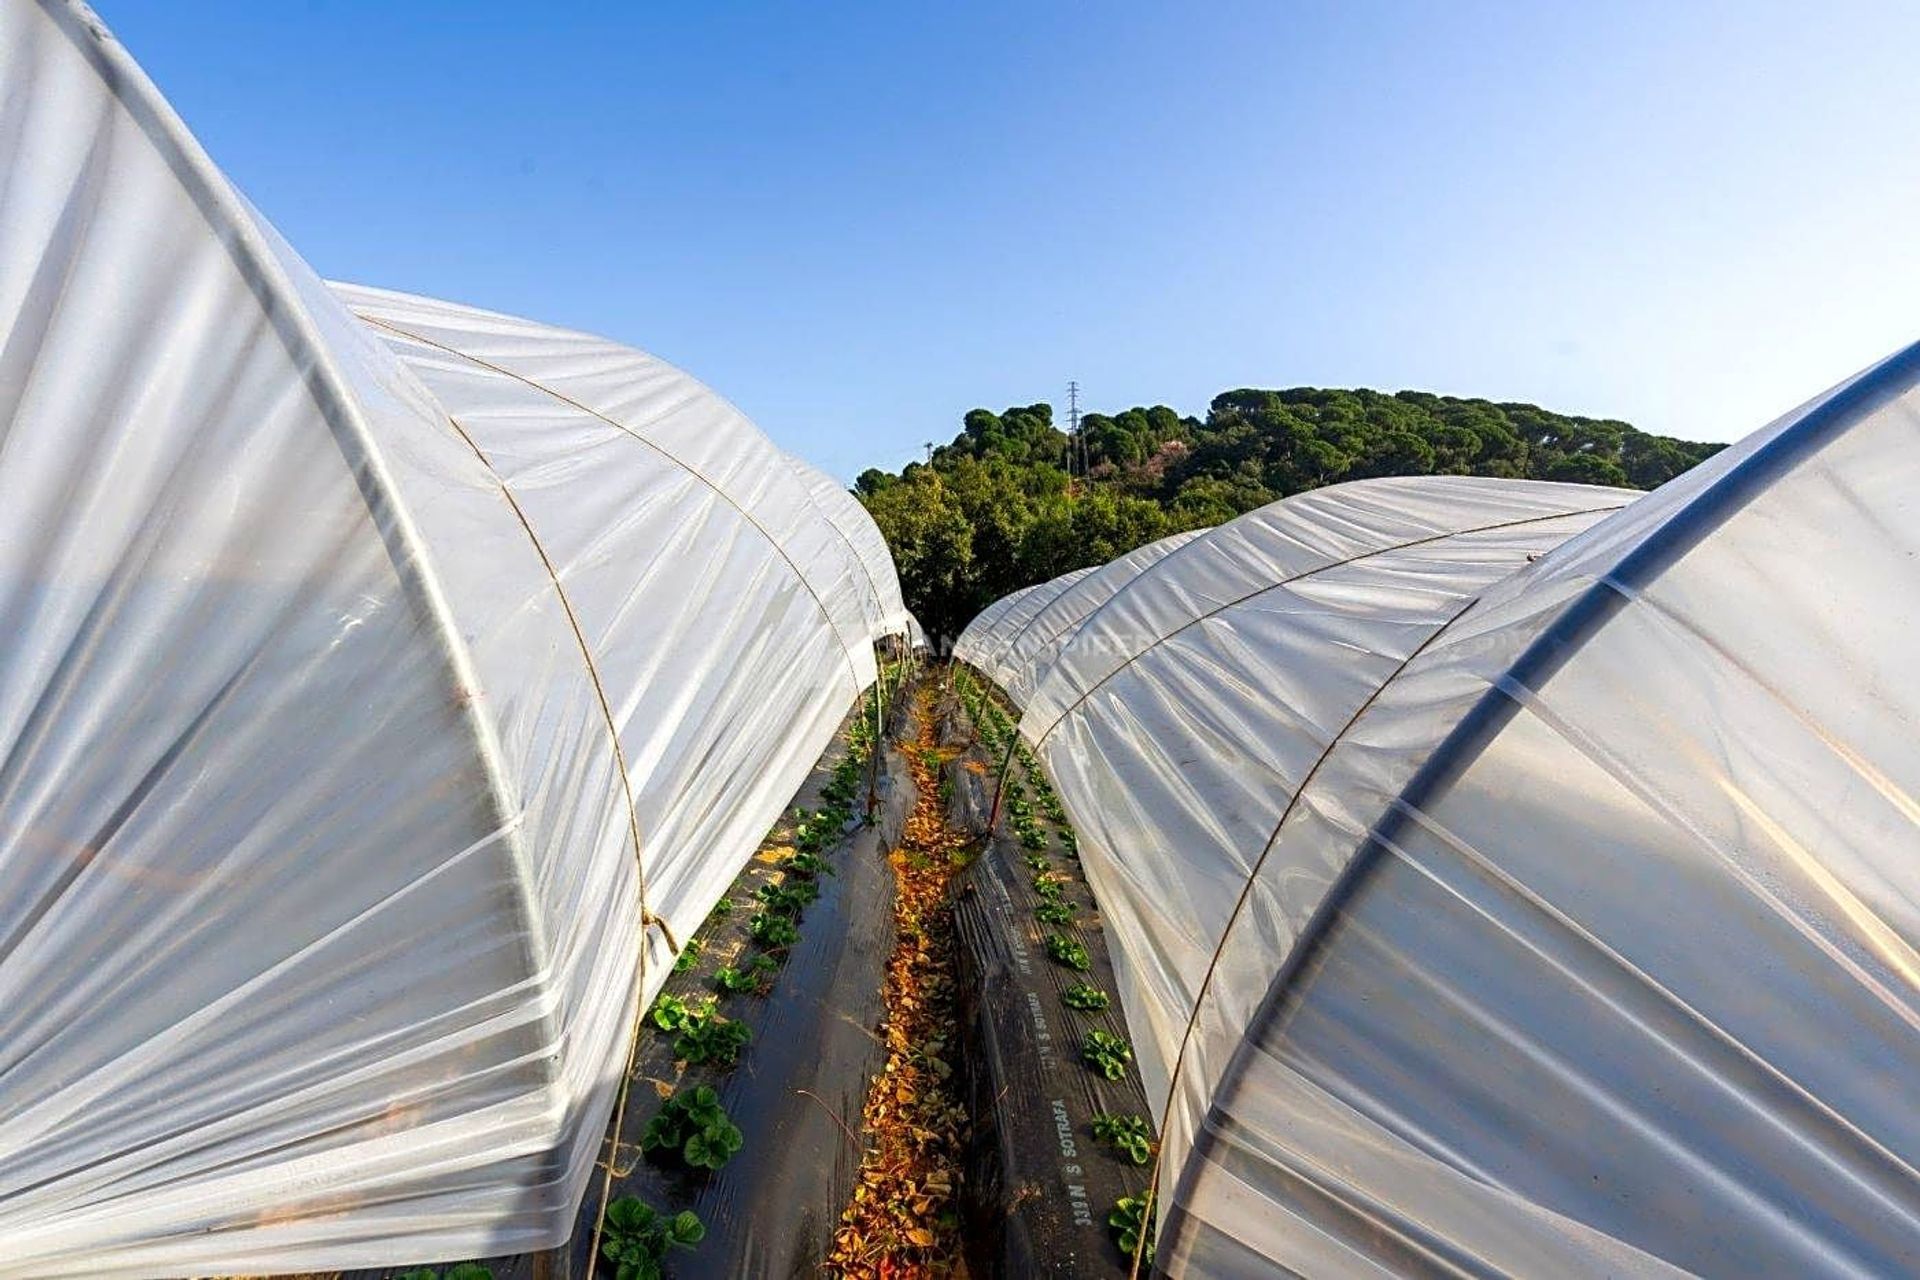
858, 222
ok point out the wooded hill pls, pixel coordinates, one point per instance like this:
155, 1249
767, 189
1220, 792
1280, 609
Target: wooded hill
990, 513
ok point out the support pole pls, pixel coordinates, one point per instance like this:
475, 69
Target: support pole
873, 755
1000, 783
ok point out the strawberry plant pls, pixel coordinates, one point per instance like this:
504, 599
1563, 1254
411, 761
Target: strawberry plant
845, 783
671, 1013
752, 976
693, 1127
1048, 887
841, 785
807, 865
637, 1238
713, 1039
1066, 951
787, 899
704, 1036
689, 956
459, 1271
1053, 913
1085, 997
1107, 1054
1132, 1226
1130, 1134
774, 931
811, 831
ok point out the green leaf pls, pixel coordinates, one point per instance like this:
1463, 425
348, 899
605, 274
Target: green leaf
714, 1145
1107, 1054
630, 1213
724, 1137
470, 1271
701, 1154
686, 1229
661, 1131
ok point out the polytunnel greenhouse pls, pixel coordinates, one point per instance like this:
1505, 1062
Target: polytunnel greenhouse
402, 684
397, 698
1515, 878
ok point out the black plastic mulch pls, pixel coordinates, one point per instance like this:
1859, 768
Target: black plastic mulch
1038, 1186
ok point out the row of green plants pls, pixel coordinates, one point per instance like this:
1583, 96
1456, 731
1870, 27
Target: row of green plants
1027, 797
638, 1237
692, 1130
999, 734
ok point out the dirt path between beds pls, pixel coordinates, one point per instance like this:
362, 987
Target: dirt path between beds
903, 1219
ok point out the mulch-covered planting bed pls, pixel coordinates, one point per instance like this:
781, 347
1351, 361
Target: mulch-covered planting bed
1057, 1168
880, 1064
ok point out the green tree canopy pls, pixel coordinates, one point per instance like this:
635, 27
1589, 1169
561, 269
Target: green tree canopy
993, 512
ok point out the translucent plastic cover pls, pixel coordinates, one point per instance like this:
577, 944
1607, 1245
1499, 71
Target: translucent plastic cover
1030, 651
984, 642
386, 688
1520, 879
880, 593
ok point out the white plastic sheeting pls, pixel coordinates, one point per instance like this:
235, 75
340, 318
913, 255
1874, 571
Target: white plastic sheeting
1503, 885
886, 612
383, 686
1185, 714
969, 647
984, 643
1030, 650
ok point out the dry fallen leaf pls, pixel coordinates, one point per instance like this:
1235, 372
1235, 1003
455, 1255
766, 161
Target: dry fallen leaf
912, 1120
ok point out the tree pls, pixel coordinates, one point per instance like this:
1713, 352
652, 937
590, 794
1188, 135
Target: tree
991, 512
932, 543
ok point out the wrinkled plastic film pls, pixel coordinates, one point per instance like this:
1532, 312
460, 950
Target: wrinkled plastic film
1560, 909
888, 614
969, 647
997, 644
1198, 742
322, 934
626, 524
1032, 650
1697, 838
